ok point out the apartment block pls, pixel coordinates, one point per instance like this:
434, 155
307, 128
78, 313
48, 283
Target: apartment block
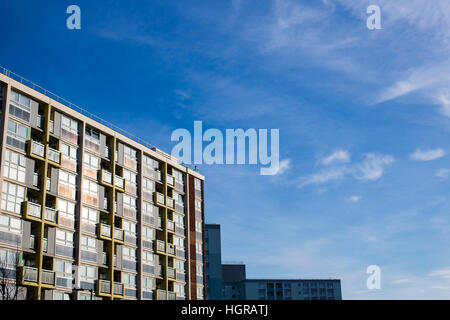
213, 258
88, 211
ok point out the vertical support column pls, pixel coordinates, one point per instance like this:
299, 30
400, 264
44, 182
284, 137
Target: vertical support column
166, 237
112, 200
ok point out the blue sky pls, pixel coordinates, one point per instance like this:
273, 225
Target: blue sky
364, 118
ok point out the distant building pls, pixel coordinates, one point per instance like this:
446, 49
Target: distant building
233, 279
213, 258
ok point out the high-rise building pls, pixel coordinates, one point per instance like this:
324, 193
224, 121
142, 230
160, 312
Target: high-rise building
88, 210
213, 258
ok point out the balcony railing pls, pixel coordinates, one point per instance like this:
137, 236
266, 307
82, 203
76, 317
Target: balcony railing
161, 294
118, 288
39, 121
170, 225
171, 248
36, 180
54, 155
48, 277
45, 245
170, 180
32, 242
51, 215
119, 182
51, 126
106, 176
30, 274
118, 234
171, 273
34, 210
159, 271
48, 183
37, 149
171, 296
160, 198
104, 286
161, 246
170, 202
104, 258
105, 230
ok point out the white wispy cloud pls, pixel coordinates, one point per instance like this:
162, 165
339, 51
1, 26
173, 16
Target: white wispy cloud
444, 101
443, 173
428, 155
369, 169
284, 166
442, 273
337, 156
354, 199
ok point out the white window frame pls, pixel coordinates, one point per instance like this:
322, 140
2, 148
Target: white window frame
10, 224
66, 240
12, 197
15, 166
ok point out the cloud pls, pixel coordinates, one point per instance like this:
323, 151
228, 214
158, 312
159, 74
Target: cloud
442, 273
428, 155
370, 169
445, 105
373, 166
284, 166
337, 156
443, 173
354, 199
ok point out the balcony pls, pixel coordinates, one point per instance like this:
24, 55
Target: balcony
118, 288
170, 225
171, 273
33, 210
48, 183
54, 156
40, 121
105, 177
160, 198
45, 245
170, 180
105, 230
170, 203
32, 242
159, 271
37, 149
51, 215
105, 258
161, 294
107, 153
160, 246
29, 274
171, 296
171, 248
51, 126
119, 182
118, 234
104, 286
48, 277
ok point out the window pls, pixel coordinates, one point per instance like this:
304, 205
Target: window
64, 238
129, 279
178, 175
199, 248
129, 176
179, 198
178, 288
179, 220
129, 202
88, 273
198, 205
149, 209
129, 253
198, 226
88, 244
69, 152
148, 258
67, 179
10, 224
15, 165
92, 135
129, 227
12, 258
89, 215
150, 163
12, 197
178, 242
66, 207
197, 184
148, 283
90, 187
91, 161
20, 106
178, 265
129, 152
199, 292
58, 295
148, 233
69, 124
199, 268
148, 185
17, 134
63, 268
